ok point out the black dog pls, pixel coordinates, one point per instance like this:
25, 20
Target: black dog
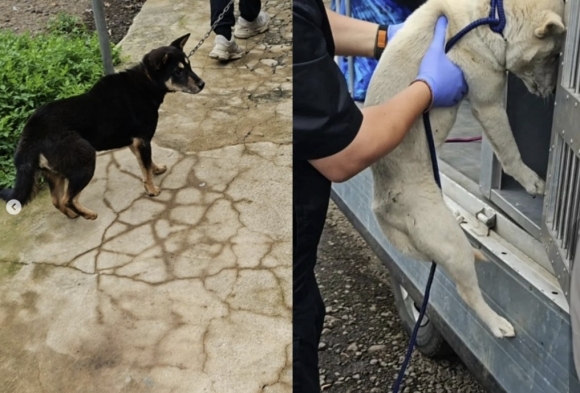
61, 138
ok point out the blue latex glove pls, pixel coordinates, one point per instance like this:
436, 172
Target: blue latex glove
392, 30
445, 79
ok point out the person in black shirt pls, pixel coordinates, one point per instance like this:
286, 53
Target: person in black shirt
333, 140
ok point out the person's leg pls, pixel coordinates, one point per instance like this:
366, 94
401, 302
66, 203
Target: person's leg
308, 321
307, 305
252, 21
249, 9
224, 27
225, 47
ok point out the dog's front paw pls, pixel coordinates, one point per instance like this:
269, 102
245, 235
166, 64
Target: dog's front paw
535, 186
152, 190
501, 328
530, 180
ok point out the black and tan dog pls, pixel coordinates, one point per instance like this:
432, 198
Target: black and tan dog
61, 138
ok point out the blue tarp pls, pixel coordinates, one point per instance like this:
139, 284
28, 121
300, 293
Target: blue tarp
384, 12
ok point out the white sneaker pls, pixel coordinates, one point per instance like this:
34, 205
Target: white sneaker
245, 29
225, 50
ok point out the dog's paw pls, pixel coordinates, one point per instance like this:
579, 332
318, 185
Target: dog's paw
533, 183
91, 216
501, 328
159, 169
152, 190
70, 214
536, 187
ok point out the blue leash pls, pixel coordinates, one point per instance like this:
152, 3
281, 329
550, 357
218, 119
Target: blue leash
497, 25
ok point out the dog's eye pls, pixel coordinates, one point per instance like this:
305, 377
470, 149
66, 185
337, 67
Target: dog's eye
178, 71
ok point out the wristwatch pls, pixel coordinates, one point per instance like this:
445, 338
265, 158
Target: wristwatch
381, 41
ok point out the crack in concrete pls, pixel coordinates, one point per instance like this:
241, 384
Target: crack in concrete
187, 291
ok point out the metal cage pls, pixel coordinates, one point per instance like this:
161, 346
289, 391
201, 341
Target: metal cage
561, 215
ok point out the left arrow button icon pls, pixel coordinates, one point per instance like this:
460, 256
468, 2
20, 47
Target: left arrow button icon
13, 207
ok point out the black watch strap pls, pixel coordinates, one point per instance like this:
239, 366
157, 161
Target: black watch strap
380, 41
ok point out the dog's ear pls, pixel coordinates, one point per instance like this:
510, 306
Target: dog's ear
157, 61
552, 25
180, 42
163, 61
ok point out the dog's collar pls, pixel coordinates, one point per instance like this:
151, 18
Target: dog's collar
496, 24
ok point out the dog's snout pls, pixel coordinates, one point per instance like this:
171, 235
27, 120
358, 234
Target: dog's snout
201, 85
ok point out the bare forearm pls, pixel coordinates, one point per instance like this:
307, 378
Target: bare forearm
383, 128
352, 37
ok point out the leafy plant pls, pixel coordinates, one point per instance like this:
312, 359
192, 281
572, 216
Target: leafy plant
67, 24
34, 70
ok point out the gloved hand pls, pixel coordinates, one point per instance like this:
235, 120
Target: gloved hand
392, 30
445, 79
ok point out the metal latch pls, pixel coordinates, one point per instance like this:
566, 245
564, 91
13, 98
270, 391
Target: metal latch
485, 220
486, 216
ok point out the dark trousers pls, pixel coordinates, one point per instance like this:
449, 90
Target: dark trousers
308, 307
308, 320
249, 10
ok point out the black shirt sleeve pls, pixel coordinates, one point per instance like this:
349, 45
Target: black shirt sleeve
325, 117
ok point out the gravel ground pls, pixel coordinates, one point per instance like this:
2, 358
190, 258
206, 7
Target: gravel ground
363, 342
33, 15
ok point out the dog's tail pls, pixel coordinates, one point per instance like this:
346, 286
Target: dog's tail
26, 178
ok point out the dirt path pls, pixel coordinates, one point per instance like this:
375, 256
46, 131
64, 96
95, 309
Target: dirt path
33, 15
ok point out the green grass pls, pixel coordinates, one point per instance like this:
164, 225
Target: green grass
8, 269
37, 69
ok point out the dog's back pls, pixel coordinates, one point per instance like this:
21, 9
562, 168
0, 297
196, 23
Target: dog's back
407, 167
118, 108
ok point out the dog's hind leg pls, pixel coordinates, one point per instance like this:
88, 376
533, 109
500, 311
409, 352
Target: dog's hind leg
435, 233
76, 184
81, 173
142, 150
57, 186
83, 211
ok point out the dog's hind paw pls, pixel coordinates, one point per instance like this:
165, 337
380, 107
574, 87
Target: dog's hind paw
501, 328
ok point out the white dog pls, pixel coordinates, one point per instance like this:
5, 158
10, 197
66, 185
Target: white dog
407, 202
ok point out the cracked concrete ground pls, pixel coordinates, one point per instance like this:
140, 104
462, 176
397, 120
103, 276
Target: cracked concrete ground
189, 291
